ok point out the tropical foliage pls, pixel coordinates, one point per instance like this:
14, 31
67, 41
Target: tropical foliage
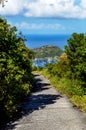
15, 68
69, 74
76, 53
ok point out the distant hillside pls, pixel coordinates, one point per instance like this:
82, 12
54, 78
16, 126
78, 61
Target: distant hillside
47, 51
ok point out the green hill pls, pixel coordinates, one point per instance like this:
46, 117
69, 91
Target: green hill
47, 51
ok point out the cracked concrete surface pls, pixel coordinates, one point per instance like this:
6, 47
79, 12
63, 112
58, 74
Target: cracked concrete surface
46, 109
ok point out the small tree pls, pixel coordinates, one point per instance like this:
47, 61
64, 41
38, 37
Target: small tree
76, 53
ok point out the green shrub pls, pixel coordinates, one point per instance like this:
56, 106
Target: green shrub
15, 68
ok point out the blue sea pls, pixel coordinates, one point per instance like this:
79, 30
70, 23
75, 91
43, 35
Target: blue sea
35, 41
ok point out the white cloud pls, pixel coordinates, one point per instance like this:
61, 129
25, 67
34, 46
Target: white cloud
54, 8
46, 8
36, 26
83, 4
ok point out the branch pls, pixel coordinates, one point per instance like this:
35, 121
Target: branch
2, 2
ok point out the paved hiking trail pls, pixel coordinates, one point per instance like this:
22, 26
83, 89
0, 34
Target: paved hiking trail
46, 109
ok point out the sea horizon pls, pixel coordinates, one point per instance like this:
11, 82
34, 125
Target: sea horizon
39, 40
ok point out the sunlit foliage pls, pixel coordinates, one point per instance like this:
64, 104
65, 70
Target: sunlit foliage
68, 75
15, 68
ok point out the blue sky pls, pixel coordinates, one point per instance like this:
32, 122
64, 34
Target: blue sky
46, 16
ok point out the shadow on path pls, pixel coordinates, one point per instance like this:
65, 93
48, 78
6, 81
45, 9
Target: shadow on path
39, 99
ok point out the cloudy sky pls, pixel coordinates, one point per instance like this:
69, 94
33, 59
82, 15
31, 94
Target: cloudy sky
46, 16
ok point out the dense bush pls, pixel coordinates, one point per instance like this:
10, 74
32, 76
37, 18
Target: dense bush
15, 68
68, 75
76, 53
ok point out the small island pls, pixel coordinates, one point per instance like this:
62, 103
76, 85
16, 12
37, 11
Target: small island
46, 54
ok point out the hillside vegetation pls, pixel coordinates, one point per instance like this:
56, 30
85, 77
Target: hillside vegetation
47, 51
69, 74
15, 69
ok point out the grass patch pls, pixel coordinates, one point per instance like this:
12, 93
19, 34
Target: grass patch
69, 88
80, 102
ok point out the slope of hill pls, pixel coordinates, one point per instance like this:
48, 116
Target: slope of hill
47, 51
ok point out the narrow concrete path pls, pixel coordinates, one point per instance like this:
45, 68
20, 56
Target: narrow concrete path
46, 109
